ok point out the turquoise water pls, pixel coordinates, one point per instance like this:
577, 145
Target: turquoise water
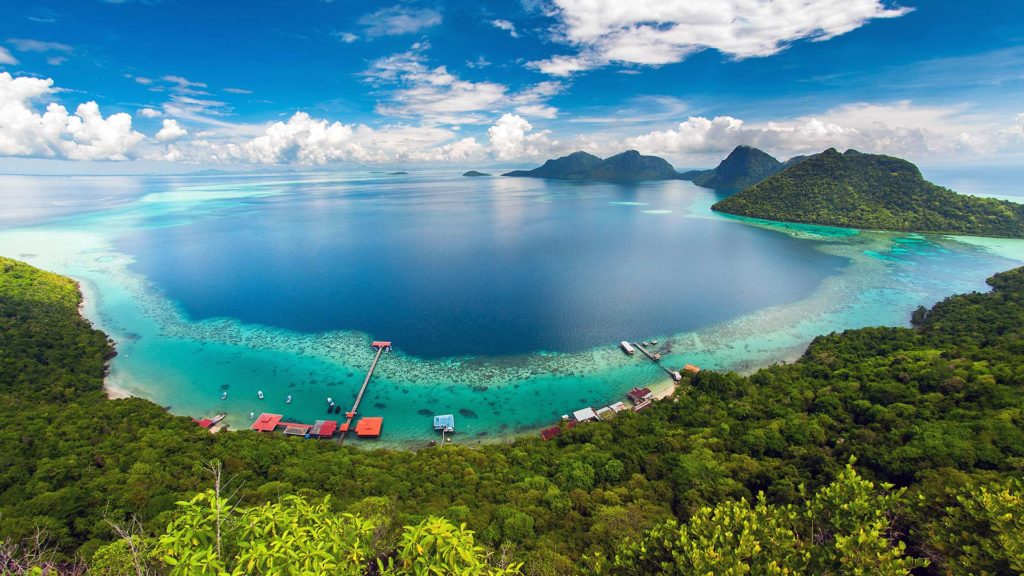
505, 298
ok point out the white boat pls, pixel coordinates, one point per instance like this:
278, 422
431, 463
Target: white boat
288, 400
329, 401
654, 342
260, 394
252, 415
216, 419
223, 395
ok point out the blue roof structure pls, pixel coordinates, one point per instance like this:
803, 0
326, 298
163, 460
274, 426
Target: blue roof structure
444, 422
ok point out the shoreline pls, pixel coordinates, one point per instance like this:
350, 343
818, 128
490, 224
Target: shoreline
88, 299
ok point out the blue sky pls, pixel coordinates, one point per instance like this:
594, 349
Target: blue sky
310, 82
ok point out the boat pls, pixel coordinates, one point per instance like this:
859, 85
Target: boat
252, 415
216, 419
654, 342
223, 395
260, 394
288, 400
646, 343
329, 401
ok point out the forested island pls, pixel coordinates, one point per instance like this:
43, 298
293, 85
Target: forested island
475, 174
882, 450
743, 167
629, 166
872, 191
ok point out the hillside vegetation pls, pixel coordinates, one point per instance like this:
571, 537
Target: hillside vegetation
875, 192
743, 167
734, 474
625, 167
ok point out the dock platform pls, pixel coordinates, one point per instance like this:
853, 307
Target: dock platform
381, 346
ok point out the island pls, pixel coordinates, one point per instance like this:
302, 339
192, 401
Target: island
475, 174
872, 191
629, 166
743, 167
397, 173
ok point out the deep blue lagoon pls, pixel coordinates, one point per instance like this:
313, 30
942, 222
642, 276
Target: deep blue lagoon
505, 298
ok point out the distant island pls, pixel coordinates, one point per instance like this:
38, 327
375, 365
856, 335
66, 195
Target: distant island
474, 173
871, 191
397, 173
629, 166
743, 167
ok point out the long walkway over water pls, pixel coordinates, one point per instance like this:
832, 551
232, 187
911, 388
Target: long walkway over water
351, 414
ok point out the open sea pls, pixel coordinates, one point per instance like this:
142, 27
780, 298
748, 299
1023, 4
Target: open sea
505, 298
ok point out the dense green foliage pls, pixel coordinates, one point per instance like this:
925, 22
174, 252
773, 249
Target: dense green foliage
936, 409
875, 192
743, 167
846, 528
628, 166
211, 536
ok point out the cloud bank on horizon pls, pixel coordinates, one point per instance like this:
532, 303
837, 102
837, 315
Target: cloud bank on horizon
684, 79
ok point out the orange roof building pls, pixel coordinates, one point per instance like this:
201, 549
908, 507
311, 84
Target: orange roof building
369, 427
266, 422
691, 368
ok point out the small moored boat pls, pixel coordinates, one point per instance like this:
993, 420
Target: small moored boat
288, 400
223, 395
260, 394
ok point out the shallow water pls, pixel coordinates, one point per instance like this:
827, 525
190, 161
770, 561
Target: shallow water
505, 298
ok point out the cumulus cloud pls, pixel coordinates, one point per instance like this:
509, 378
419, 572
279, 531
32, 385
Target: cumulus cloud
347, 37
149, 113
84, 135
899, 128
6, 57
398, 20
655, 32
511, 138
506, 26
171, 131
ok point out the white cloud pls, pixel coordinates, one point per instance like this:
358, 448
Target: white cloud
6, 57
30, 45
507, 26
900, 129
149, 113
171, 131
656, 32
398, 20
437, 96
84, 135
347, 37
511, 138
237, 91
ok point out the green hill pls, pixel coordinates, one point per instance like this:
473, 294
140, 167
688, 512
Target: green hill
628, 166
935, 409
874, 192
743, 167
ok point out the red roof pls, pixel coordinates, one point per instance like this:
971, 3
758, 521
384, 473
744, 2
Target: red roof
266, 422
691, 368
343, 427
325, 428
639, 394
204, 423
381, 344
369, 426
549, 433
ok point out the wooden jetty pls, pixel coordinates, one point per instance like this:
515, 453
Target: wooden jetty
381, 346
656, 358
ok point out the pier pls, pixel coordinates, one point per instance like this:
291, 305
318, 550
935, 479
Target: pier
656, 358
351, 414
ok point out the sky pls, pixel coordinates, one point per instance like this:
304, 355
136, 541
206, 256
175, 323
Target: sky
93, 85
